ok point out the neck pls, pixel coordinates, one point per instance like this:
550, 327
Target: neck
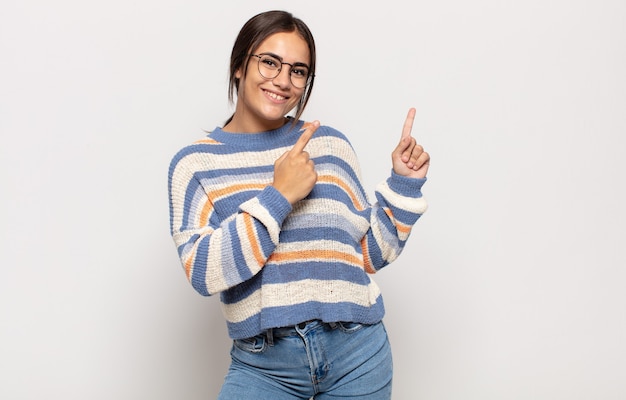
240, 124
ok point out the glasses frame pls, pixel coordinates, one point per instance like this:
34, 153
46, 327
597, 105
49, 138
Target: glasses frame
309, 76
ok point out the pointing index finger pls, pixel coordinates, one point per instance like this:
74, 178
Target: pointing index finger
408, 123
309, 130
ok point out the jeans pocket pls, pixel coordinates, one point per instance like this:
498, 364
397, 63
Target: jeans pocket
255, 344
350, 327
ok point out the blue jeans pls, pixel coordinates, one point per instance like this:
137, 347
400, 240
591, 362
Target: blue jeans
312, 360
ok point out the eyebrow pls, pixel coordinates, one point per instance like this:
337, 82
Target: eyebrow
296, 64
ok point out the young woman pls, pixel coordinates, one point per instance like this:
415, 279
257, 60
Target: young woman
269, 212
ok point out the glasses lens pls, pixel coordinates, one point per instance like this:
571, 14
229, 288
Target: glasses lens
270, 67
299, 76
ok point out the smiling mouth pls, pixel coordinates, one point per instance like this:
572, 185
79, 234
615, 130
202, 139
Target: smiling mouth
275, 96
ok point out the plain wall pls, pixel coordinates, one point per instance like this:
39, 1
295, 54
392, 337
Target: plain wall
511, 286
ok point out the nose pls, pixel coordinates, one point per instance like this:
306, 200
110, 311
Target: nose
283, 79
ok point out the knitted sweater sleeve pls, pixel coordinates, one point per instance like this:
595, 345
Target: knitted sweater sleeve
216, 252
399, 204
398, 207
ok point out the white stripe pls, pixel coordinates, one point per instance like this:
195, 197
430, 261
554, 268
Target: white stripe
255, 209
326, 212
244, 309
390, 251
215, 279
410, 204
293, 293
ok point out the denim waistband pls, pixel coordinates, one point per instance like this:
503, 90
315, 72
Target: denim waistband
295, 330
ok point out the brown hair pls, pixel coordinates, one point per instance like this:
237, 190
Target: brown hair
253, 33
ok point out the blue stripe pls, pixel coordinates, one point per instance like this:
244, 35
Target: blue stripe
341, 167
230, 205
242, 291
330, 191
315, 270
193, 187
238, 259
236, 174
320, 233
198, 275
274, 317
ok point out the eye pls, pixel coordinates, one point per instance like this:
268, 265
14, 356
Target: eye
300, 72
270, 62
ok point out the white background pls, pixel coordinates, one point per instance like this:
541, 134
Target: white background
512, 285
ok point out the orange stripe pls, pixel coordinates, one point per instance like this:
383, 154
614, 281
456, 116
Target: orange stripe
312, 254
204, 213
206, 141
236, 188
341, 184
403, 228
399, 226
256, 249
208, 206
367, 262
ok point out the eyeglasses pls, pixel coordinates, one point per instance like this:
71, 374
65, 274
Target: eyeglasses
270, 67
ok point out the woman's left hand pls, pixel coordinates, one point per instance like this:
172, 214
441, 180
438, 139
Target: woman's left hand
409, 158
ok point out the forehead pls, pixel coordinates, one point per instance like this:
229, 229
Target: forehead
288, 45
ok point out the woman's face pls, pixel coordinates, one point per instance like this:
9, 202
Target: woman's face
263, 103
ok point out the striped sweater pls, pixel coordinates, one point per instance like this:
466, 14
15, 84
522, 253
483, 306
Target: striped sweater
273, 264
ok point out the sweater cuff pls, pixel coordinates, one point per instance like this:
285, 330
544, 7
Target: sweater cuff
405, 186
275, 203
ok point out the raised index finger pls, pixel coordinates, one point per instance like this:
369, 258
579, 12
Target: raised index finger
305, 137
408, 123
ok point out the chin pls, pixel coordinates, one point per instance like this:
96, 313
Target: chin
275, 116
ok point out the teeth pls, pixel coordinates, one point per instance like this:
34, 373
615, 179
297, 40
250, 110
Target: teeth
275, 96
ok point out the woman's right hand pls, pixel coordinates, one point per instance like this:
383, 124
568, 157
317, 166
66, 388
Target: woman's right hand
294, 171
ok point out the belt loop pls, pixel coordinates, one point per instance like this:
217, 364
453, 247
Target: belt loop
270, 336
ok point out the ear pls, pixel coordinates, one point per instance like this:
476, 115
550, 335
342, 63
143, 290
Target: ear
238, 74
